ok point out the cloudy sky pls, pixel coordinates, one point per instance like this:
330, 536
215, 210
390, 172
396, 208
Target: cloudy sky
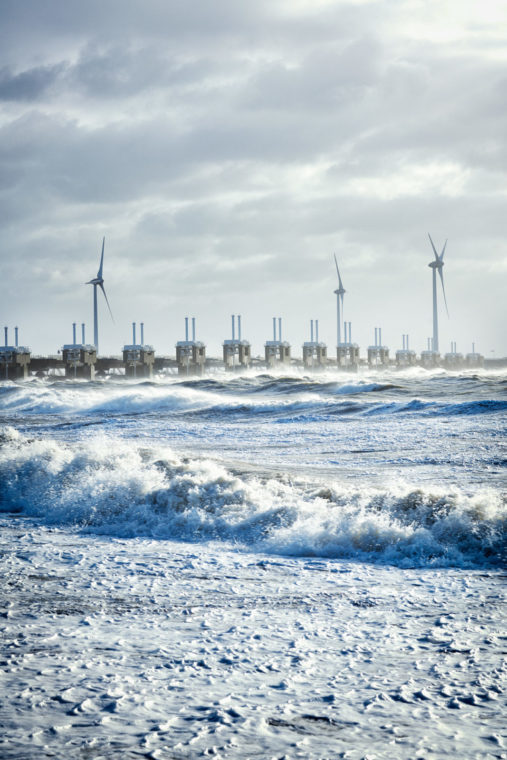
226, 149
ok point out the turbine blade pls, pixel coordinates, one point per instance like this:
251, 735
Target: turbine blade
99, 273
434, 249
443, 251
338, 273
443, 288
101, 286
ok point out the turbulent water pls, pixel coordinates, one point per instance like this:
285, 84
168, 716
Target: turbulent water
255, 566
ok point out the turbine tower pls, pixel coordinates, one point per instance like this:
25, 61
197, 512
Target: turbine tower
437, 264
339, 304
98, 281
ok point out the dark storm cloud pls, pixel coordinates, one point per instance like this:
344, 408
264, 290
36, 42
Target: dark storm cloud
30, 84
33, 26
120, 72
346, 121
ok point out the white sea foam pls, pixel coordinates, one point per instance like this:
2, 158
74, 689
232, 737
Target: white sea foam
253, 567
120, 488
253, 395
125, 649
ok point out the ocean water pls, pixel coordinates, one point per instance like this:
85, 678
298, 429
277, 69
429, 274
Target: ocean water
264, 566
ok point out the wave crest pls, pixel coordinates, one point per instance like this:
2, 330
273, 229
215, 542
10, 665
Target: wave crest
117, 487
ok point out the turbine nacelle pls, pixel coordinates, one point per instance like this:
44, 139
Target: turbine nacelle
98, 281
438, 265
341, 290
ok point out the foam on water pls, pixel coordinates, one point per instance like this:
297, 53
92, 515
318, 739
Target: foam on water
120, 488
254, 565
250, 396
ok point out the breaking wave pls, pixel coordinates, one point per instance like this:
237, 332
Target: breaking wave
120, 488
260, 395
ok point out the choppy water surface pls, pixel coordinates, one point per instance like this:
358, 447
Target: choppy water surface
290, 543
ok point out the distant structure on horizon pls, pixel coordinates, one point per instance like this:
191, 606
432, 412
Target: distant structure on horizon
340, 292
235, 347
138, 358
15, 359
314, 352
81, 360
378, 354
404, 356
437, 265
276, 351
190, 354
347, 353
98, 281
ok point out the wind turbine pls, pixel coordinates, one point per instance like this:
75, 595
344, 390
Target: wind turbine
437, 264
98, 281
339, 303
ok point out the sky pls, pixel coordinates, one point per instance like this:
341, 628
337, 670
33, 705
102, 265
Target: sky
227, 150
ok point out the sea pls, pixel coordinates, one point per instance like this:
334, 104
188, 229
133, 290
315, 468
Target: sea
260, 565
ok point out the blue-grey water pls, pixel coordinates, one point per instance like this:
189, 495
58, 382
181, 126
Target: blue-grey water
317, 541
